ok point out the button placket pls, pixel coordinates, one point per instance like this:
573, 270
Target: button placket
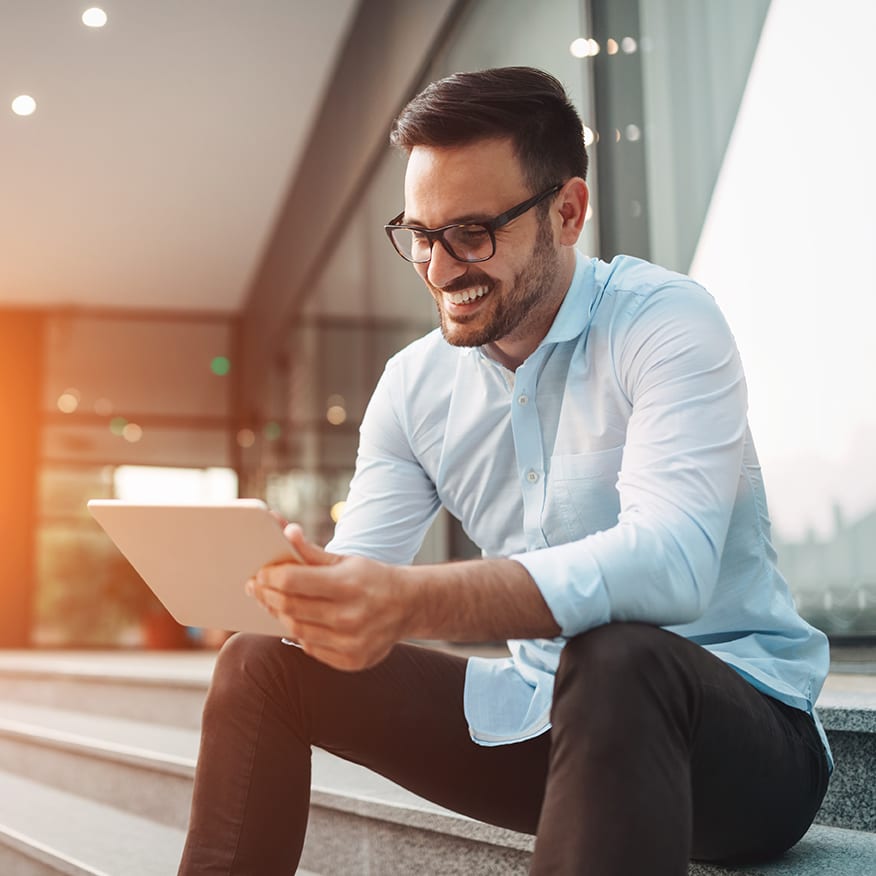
528, 447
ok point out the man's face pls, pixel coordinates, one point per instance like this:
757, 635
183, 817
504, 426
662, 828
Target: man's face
511, 299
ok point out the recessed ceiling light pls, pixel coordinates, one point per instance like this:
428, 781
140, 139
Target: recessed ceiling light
94, 17
23, 105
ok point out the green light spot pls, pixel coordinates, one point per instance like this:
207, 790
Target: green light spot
272, 431
221, 365
117, 425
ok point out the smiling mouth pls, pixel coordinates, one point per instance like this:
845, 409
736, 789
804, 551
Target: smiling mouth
468, 295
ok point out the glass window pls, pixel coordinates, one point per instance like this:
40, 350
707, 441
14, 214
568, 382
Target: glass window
757, 180
87, 592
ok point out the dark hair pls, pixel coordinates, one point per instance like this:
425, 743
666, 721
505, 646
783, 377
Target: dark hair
526, 105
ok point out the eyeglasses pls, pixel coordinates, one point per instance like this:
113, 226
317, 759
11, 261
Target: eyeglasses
466, 242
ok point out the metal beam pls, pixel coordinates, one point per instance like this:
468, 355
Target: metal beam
383, 61
621, 170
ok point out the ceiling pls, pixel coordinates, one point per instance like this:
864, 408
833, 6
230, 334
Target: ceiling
162, 146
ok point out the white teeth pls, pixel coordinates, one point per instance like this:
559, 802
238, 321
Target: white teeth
468, 295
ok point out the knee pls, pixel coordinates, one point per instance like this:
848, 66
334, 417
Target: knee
243, 653
243, 665
626, 687
616, 663
615, 647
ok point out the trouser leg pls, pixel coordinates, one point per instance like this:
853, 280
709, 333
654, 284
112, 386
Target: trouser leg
252, 782
661, 752
658, 751
269, 703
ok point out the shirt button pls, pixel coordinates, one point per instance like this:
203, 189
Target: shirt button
532, 476
522, 400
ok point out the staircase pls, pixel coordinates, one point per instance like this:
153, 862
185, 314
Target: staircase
97, 754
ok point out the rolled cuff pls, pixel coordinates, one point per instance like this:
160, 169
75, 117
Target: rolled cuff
572, 585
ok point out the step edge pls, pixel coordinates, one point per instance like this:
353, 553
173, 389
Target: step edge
442, 821
37, 850
188, 683
858, 720
36, 734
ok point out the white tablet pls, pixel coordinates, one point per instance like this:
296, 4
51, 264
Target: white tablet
196, 558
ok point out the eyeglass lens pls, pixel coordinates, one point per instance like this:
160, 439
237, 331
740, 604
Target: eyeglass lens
466, 243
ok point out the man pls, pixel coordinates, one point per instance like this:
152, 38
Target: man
587, 424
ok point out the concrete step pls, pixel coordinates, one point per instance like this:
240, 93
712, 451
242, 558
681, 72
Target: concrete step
360, 823
120, 730
46, 832
166, 688
145, 769
824, 851
169, 689
847, 707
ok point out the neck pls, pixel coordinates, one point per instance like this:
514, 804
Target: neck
514, 349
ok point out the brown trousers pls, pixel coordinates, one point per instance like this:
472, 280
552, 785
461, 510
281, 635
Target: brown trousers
658, 753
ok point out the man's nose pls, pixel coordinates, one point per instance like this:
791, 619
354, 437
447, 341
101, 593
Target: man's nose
443, 268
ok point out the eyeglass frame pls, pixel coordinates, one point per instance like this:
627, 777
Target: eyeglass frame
491, 226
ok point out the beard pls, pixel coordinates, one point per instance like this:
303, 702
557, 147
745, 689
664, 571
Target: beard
522, 300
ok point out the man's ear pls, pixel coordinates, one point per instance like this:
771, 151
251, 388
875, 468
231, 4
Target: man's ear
572, 202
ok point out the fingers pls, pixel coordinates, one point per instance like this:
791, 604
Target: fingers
295, 580
334, 637
310, 553
348, 652
339, 609
279, 518
346, 661
318, 612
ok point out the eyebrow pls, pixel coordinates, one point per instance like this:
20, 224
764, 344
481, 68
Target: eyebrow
468, 219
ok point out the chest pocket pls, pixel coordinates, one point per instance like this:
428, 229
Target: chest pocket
581, 496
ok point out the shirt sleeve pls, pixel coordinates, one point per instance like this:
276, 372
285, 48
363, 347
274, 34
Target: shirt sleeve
677, 364
391, 501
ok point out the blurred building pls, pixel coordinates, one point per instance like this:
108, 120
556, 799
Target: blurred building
197, 296
835, 577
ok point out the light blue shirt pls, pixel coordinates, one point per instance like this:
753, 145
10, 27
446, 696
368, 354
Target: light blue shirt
615, 464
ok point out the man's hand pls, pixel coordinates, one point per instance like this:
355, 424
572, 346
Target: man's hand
347, 612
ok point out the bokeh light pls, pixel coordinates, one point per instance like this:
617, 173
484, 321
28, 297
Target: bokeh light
24, 105
94, 17
246, 438
584, 48
132, 432
68, 401
220, 365
336, 415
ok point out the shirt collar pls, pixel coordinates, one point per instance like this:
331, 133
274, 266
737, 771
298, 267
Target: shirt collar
575, 311
574, 314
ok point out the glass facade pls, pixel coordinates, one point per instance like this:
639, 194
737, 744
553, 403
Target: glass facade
708, 122
718, 159
118, 389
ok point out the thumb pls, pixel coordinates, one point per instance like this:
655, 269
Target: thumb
311, 554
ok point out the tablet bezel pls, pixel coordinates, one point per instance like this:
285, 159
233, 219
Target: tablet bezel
197, 558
